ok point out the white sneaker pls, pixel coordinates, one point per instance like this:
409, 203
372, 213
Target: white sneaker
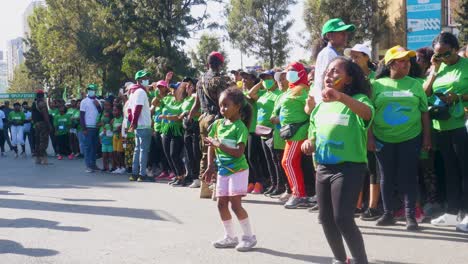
463, 225
115, 171
284, 197
247, 243
195, 184
122, 171
445, 220
226, 242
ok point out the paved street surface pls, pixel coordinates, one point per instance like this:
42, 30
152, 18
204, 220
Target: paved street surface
59, 214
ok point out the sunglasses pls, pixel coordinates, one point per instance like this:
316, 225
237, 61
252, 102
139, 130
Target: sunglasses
443, 55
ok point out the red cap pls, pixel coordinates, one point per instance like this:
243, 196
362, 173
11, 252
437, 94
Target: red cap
40, 91
217, 55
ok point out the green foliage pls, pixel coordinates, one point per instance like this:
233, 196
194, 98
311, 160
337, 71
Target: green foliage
206, 45
260, 28
462, 19
22, 81
73, 43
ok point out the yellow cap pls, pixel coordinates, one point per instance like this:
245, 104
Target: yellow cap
398, 52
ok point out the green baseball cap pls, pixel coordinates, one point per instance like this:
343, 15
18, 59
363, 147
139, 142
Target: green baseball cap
93, 87
336, 25
141, 74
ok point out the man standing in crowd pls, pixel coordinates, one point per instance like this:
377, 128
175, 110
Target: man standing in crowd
139, 115
209, 88
335, 32
28, 132
6, 125
42, 127
89, 111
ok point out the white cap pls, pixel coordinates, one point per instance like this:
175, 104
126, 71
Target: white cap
277, 76
359, 48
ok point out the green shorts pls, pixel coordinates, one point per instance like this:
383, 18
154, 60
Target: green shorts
107, 148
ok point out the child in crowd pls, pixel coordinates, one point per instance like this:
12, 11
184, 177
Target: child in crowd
227, 140
17, 119
106, 135
118, 154
62, 125
338, 137
128, 140
105, 119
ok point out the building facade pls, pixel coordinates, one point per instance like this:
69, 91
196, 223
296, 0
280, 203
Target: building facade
15, 55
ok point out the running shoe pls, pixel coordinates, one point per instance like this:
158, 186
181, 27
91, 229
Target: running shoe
269, 190
411, 224
195, 184
386, 220
89, 170
276, 193
250, 187
258, 188
371, 214
226, 242
419, 214
445, 220
132, 178
463, 225
59, 157
400, 215
163, 175
284, 197
294, 202
246, 243
70, 157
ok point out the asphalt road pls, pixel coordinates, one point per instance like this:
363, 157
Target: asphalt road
59, 214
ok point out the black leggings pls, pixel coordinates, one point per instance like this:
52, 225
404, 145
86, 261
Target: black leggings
63, 147
2, 140
338, 189
256, 159
273, 157
157, 157
192, 154
173, 147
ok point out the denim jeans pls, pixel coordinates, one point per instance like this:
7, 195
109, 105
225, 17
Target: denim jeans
90, 147
81, 140
142, 146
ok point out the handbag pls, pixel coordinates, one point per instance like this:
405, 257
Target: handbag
439, 110
288, 131
263, 131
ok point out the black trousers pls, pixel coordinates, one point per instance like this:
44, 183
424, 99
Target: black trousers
2, 141
398, 167
30, 136
157, 157
273, 157
192, 153
256, 159
6, 135
453, 145
63, 147
173, 147
338, 188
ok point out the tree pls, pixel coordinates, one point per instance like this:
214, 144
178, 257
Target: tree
22, 82
462, 19
369, 16
206, 45
260, 28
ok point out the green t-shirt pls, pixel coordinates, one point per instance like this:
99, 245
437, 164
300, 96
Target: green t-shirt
187, 105
452, 78
62, 124
398, 106
104, 119
172, 107
230, 135
253, 122
371, 76
265, 105
292, 111
53, 112
74, 115
16, 118
117, 125
340, 134
278, 142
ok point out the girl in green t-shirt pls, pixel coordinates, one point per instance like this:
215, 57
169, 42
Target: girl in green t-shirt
117, 146
226, 141
62, 125
338, 137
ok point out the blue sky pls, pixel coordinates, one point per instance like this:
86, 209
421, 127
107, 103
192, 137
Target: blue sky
11, 26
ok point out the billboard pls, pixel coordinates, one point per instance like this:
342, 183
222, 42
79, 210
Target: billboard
424, 22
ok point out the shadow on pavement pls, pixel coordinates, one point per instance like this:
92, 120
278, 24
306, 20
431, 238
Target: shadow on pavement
88, 209
12, 247
86, 200
261, 202
307, 258
39, 223
412, 235
423, 231
9, 193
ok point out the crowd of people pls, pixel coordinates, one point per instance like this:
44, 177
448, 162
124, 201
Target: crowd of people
346, 137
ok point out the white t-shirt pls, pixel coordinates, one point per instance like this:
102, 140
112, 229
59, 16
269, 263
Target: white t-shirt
2, 116
91, 112
323, 59
139, 97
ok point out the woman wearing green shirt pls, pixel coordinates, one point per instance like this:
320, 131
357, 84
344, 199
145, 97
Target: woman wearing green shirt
291, 113
16, 119
157, 158
62, 125
449, 82
265, 94
338, 136
401, 118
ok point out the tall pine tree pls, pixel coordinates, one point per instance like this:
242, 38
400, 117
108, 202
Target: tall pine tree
462, 19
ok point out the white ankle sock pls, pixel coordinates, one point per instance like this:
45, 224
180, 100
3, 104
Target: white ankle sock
246, 228
229, 228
